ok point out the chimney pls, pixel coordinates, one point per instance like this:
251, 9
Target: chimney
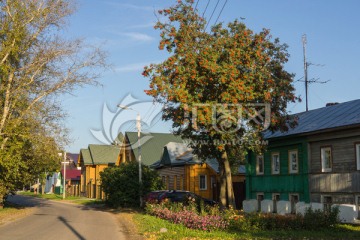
331, 104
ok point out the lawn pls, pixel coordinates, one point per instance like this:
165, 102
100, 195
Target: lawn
154, 228
58, 197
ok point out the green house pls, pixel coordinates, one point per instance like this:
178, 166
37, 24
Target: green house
280, 173
317, 163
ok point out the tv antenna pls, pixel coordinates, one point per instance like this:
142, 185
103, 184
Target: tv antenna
306, 65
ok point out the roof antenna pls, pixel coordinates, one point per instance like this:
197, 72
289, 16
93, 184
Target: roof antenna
306, 65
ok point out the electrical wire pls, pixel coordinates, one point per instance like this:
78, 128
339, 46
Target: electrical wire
220, 12
217, 3
205, 9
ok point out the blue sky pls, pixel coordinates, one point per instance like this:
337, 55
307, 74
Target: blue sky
124, 29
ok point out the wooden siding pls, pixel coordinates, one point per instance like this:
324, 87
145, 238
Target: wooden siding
193, 180
170, 173
284, 182
343, 153
342, 183
187, 178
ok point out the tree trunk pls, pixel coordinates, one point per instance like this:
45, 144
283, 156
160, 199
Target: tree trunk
223, 202
230, 190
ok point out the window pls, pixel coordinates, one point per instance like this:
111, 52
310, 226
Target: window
326, 159
260, 164
357, 202
294, 198
259, 197
202, 182
327, 201
276, 198
213, 182
275, 163
293, 161
357, 150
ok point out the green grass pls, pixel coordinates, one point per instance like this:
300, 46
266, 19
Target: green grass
58, 197
150, 226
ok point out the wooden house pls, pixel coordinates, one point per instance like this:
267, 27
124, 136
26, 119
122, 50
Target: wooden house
92, 161
151, 145
318, 161
180, 169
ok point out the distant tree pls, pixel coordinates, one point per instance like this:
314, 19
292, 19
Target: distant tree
36, 66
121, 186
214, 85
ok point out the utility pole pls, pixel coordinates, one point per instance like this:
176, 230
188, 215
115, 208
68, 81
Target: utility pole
305, 71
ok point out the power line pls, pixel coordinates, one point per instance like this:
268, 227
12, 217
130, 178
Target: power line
212, 14
205, 9
220, 12
196, 4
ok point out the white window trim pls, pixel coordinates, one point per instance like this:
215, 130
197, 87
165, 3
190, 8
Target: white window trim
357, 151
273, 163
322, 156
290, 161
257, 165
205, 188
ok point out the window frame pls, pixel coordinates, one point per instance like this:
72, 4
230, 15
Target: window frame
205, 182
258, 166
293, 203
290, 161
258, 196
275, 198
273, 163
357, 155
322, 156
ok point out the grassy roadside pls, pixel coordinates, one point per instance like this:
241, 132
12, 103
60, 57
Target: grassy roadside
58, 197
12, 212
154, 228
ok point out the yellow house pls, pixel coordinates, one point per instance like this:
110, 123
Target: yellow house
92, 161
180, 169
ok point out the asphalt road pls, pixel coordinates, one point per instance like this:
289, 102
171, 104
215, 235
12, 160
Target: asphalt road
58, 220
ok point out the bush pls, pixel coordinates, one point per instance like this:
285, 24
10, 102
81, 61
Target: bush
312, 220
121, 184
317, 219
187, 215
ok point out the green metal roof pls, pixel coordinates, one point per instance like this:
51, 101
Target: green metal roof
86, 157
104, 154
152, 145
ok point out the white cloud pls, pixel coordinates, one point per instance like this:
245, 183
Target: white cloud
138, 36
130, 6
134, 67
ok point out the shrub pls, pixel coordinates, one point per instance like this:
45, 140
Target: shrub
121, 187
312, 220
317, 219
186, 215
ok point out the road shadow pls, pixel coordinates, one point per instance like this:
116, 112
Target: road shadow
21, 201
62, 219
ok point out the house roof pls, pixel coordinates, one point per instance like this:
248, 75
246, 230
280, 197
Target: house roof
152, 145
72, 156
331, 117
86, 157
178, 154
72, 174
104, 154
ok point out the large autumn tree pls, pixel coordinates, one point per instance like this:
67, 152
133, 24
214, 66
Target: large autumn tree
37, 65
221, 88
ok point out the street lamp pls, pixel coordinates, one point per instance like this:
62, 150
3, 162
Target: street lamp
138, 126
64, 162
